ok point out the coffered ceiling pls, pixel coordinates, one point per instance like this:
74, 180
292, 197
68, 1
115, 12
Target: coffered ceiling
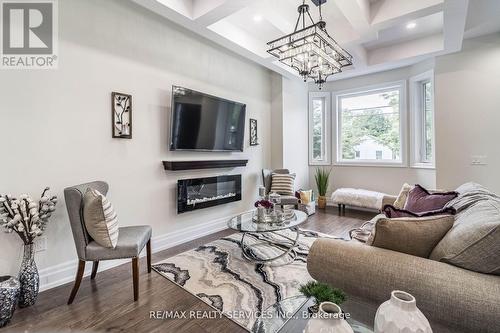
380, 34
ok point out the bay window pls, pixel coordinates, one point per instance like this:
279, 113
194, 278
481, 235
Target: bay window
370, 125
319, 128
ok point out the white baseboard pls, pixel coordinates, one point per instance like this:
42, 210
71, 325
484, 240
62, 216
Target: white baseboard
57, 275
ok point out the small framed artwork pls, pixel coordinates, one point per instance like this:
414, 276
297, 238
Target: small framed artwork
121, 116
254, 140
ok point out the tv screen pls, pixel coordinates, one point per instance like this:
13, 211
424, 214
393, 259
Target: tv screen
203, 122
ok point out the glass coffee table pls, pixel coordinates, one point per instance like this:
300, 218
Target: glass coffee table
291, 315
267, 242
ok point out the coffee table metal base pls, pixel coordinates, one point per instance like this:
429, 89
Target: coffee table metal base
287, 246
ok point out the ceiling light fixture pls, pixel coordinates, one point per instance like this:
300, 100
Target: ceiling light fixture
411, 25
257, 18
310, 50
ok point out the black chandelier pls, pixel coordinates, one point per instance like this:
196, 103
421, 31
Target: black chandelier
310, 50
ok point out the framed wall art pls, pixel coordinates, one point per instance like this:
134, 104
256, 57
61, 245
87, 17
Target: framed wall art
254, 140
121, 108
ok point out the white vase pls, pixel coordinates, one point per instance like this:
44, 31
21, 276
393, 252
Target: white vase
329, 319
400, 315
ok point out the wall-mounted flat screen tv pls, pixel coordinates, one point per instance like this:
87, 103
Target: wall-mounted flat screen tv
204, 122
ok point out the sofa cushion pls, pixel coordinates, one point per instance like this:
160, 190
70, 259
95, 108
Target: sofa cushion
474, 240
420, 200
410, 235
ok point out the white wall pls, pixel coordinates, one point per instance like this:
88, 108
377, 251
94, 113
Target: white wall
295, 137
468, 114
277, 121
384, 179
288, 135
55, 126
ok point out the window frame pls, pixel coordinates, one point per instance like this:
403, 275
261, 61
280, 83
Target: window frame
400, 85
417, 120
326, 125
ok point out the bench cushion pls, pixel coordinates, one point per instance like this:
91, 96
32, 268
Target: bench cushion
361, 198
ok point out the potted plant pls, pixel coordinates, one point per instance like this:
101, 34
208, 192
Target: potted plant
322, 292
322, 178
28, 219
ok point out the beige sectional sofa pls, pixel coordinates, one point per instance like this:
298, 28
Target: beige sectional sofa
462, 299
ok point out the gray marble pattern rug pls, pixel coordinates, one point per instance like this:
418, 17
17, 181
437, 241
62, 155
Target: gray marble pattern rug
219, 275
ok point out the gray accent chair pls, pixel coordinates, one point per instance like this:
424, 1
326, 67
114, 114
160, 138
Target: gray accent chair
131, 240
267, 180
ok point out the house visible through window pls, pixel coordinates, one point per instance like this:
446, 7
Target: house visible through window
369, 126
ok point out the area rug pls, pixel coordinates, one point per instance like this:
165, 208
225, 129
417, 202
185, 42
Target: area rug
219, 275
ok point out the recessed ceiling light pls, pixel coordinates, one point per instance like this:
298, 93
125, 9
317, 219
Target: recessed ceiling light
411, 25
257, 18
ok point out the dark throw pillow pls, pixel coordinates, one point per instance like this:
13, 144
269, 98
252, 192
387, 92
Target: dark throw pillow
420, 200
393, 212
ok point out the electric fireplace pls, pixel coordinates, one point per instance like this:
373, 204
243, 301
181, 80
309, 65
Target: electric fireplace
206, 192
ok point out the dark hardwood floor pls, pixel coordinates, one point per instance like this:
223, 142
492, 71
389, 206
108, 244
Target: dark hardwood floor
106, 303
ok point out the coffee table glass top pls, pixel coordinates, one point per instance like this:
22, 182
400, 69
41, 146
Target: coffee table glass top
245, 223
290, 315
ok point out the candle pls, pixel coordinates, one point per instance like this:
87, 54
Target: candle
262, 191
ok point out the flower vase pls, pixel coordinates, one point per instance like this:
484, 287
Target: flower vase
9, 293
28, 278
328, 319
400, 314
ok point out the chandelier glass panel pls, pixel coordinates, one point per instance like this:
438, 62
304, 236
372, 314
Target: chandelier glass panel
310, 49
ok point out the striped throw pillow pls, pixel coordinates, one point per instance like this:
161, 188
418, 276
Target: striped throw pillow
100, 218
283, 183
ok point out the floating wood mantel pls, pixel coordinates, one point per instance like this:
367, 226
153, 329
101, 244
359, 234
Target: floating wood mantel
193, 165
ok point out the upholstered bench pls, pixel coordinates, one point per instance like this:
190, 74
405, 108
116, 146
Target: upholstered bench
361, 198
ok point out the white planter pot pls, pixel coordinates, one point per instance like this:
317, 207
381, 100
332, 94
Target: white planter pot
329, 319
400, 315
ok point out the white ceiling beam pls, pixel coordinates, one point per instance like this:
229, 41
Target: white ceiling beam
187, 23
455, 16
388, 13
358, 53
220, 10
357, 13
417, 47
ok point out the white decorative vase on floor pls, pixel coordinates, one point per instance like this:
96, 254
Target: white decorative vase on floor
329, 319
400, 315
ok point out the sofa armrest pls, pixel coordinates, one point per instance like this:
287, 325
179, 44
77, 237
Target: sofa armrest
446, 294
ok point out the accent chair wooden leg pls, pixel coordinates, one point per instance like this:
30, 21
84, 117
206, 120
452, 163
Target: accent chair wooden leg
94, 269
135, 277
148, 252
78, 280
340, 209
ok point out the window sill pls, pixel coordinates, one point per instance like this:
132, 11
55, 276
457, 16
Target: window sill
423, 166
371, 164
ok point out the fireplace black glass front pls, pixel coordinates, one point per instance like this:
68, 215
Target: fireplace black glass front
206, 192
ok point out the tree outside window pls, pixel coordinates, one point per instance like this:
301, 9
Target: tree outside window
370, 126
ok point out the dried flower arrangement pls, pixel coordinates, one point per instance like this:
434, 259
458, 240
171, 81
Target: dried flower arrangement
263, 203
25, 216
